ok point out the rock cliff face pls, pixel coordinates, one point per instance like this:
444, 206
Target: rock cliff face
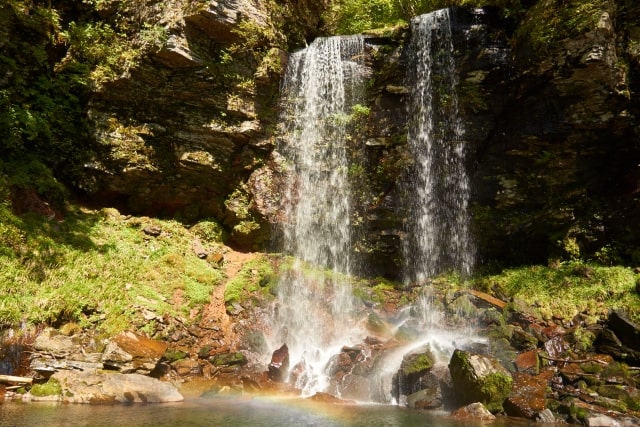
553, 133
557, 173
181, 133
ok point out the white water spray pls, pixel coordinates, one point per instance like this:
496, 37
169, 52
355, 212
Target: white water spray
316, 314
315, 303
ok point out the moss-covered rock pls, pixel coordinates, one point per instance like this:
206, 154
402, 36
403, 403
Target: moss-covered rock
478, 378
413, 373
227, 359
630, 396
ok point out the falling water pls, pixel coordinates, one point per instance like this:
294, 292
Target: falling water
316, 312
314, 297
436, 187
437, 226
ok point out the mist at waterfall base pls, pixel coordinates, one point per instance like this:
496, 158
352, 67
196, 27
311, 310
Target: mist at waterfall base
316, 314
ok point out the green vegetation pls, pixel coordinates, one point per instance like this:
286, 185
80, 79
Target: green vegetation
491, 389
94, 267
256, 275
417, 364
50, 388
550, 21
356, 16
48, 73
568, 288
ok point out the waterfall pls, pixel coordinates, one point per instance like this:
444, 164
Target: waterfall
316, 315
315, 301
437, 228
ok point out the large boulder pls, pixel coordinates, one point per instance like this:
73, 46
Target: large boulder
413, 375
478, 378
355, 372
279, 365
473, 412
102, 387
528, 396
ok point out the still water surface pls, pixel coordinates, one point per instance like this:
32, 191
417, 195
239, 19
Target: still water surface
256, 412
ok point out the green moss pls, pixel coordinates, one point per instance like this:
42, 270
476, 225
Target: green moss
210, 231
622, 394
491, 390
171, 355
591, 368
256, 275
567, 288
50, 388
579, 414
417, 364
494, 389
228, 359
584, 339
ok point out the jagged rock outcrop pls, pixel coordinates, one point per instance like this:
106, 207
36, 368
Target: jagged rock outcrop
557, 172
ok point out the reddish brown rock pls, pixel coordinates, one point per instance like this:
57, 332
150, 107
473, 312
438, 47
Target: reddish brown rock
129, 353
528, 396
329, 398
489, 300
528, 362
473, 411
187, 367
279, 366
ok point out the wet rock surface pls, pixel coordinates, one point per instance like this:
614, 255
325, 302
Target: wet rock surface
132, 353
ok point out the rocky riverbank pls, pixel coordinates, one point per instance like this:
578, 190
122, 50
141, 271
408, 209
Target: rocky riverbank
509, 362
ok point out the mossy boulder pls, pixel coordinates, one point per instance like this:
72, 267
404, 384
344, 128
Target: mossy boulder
413, 372
478, 378
228, 359
629, 395
417, 363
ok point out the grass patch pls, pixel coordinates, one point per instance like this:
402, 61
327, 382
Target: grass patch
97, 268
568, 289
50, 388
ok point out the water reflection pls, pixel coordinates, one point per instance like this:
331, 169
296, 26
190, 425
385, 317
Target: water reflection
258, 412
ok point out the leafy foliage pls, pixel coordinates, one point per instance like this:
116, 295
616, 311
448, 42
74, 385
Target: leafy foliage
41, 111
356, 16
552, 20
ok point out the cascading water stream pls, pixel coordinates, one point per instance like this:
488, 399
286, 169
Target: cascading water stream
316, 313
438, 238
436, 185
320, 87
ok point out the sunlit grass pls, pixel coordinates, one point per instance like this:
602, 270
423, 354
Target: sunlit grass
95, 268
568, 288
